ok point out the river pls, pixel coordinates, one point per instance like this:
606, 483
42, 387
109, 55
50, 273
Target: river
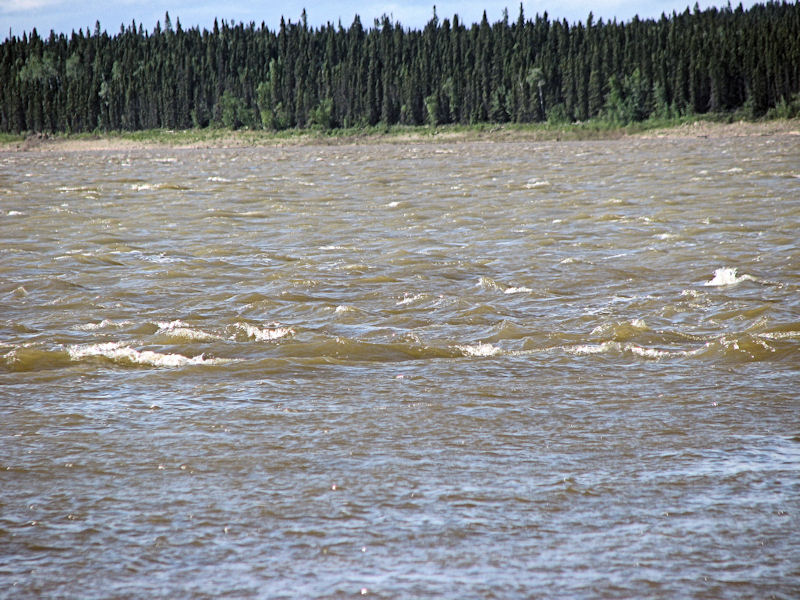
402, 370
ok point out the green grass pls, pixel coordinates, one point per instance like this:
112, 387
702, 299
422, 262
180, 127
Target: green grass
10, 138
594, 129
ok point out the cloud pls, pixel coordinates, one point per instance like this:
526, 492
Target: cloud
23, 6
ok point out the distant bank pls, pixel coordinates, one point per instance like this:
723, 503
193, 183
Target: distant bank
228, 138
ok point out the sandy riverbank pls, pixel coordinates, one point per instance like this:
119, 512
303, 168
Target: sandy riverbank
234, 139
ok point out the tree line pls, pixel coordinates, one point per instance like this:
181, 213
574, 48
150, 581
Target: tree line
513, 70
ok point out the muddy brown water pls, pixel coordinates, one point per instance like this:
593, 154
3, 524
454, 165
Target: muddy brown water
473, 370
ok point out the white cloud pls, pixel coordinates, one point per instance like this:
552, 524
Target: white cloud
22, 6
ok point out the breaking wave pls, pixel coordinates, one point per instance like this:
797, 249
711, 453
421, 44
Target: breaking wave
727, 276
122, 354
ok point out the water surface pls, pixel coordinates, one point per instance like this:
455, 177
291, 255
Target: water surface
478, 370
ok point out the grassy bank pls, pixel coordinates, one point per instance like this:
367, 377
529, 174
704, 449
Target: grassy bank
220, 137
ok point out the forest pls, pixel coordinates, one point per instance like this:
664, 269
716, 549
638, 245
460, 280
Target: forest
729, 60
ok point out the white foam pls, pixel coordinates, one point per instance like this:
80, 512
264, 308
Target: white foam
481, 349
409, 299
118, 352
181, 330
517, 290
649, 352
168, 325
653, 353
219, 179
584, 349
533, 184
264, 334
104, 324
14, 213
727, 276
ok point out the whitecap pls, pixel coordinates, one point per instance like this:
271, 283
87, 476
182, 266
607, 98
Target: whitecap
481, 349
167, 325
264, 334
727, 276
14, 213
653, 353
649, 352
533, 184
584, 349
104, 324
118, 352
180, 329
409, 299
219, 179
517, 290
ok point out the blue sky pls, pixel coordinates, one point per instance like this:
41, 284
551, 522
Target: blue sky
64, 16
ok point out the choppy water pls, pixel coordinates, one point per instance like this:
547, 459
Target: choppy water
458, 371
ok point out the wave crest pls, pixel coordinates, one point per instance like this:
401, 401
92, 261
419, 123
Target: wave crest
120, 353
727, 276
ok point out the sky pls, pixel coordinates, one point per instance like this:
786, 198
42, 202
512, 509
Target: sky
64, 16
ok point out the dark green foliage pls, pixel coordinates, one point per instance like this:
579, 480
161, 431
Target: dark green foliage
717, 60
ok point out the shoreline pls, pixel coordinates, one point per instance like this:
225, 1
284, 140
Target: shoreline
222, 138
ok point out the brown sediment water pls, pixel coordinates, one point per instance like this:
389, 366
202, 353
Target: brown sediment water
477, 369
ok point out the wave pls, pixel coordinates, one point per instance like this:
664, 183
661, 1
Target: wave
118, 352
533, 184
410, 299
261, 334
29, 357
614, 347
349, 350
481, 349
104, 324
152, 187
725, 276
621, 331
181, 331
